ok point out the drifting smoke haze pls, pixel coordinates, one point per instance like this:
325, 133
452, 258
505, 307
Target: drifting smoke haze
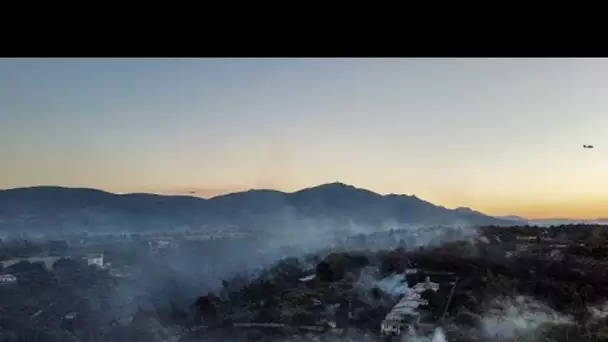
436, 336
351, 336
223, 259
181, 276
599, 312
393, 285
247, 258
519, 318
333, 256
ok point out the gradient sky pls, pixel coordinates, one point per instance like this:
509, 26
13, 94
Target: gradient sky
503, 136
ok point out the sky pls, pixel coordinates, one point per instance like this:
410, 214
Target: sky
503, 136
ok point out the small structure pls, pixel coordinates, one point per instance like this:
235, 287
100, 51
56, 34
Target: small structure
404, 313
483, 240
426, 285
157, 246
48, 261
94, 259
391, 327
308, 278
7, 279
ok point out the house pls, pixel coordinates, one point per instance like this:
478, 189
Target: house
48, 261
404, 313
7, 279
94, 259
426, 285
391, 327
159, 245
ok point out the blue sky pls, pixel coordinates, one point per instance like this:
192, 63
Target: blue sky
499, 135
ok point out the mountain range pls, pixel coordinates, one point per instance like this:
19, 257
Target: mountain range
60, 209
548, 222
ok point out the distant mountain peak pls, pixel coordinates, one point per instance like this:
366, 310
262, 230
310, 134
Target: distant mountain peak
261, 208
335, 185
512, 217
53, 188
337, 188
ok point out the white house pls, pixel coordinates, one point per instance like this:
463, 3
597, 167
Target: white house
48, 261
390, 327
94, 259
7, 279
426, 285
404, 312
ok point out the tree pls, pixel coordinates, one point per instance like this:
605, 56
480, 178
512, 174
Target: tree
324, 272
289, 268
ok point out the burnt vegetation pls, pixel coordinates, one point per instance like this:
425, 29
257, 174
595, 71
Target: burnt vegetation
564, 267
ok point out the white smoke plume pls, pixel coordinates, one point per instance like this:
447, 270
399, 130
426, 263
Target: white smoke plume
437, 336
599, 311
394, 286
512, 319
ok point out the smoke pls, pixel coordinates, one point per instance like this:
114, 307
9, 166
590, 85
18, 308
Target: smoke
599, 312
202, 265
191, 268
412, 336
395, 285
511, 319
350, 336
389, 289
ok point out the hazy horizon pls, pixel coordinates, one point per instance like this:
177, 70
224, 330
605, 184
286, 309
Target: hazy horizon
213, 194
502, 136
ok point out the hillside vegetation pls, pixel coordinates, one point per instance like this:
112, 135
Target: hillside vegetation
503, 284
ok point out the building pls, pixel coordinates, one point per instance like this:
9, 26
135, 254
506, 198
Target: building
404, 313
159, 245
48, 261
94, 259
7, 279
426, 285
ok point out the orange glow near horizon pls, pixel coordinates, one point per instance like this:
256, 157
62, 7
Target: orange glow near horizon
578, 209
501, 136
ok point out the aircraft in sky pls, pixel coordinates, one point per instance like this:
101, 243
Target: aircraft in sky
587, 146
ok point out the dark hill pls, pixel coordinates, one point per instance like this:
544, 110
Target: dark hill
55, 209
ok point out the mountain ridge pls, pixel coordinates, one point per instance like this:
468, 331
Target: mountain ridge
59, 208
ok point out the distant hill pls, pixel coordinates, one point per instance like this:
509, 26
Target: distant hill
334, 205
553, 221
521, 220
565, 221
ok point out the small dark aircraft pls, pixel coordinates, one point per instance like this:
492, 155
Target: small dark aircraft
587, 146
